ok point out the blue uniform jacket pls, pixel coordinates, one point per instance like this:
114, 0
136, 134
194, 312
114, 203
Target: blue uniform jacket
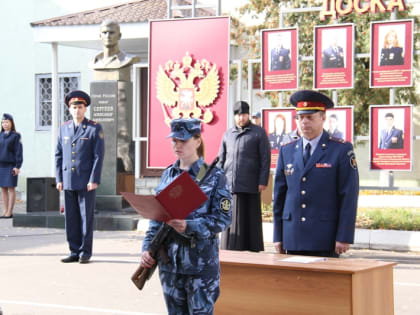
11, 149
391, 56
332, 58
280, 59
79, 156
315, 206
386, 139
204, 224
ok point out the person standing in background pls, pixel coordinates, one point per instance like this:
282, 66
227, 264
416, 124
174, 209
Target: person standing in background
11, 159
78, 159
245, 157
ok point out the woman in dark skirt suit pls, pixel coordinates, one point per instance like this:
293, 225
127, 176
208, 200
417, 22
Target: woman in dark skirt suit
10, 162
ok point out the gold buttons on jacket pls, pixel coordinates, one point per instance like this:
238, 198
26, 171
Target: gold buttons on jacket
303, 205
303, 192
303, 179
303, 219
72, 169
73, 144
73, 153
72, 161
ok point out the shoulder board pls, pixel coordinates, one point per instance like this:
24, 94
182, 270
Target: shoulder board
66, 122
92, 122
291, 142
339, 140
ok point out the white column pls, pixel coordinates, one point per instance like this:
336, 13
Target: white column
54, 104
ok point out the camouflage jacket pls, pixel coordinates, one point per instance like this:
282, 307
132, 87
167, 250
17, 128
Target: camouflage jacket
203, 224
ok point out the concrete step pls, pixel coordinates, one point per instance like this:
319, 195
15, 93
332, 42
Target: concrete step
125, 220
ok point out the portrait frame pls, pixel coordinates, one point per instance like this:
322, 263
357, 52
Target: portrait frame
334, 56
182, 37
391, 66
268, 117
391, 148
278, 76
345, 118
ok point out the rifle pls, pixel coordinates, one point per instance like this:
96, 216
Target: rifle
142, 274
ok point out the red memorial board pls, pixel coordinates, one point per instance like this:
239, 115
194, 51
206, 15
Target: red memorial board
391, 54
279, 59
391, 137
334, 56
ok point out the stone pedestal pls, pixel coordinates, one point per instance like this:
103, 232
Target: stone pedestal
111, 106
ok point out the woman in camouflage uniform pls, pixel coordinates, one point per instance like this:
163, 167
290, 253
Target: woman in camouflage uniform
191, 276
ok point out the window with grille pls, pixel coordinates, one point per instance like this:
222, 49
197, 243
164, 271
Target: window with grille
67, 83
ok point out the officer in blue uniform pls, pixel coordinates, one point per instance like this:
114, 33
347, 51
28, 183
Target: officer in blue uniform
191, 276
333, 57
316, 186
391, 137
280, 59
11, 158
78, 158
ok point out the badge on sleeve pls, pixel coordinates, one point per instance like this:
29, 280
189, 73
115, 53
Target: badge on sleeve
352, 161
225, 204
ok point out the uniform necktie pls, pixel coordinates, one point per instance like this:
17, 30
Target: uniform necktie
307, 153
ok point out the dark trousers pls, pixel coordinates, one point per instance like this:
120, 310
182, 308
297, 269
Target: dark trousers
245, 233
316, 253
79, 208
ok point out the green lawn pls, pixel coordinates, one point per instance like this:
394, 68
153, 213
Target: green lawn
407, 219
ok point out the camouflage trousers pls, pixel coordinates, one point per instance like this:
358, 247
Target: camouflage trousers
189, 294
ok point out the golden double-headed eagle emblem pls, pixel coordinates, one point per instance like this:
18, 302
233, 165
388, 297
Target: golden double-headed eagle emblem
189, 89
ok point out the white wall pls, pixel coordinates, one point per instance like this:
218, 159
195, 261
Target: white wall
22, 58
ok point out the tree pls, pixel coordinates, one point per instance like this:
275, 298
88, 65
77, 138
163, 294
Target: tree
361, 96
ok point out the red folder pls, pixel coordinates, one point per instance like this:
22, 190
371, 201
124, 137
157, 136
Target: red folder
176, 201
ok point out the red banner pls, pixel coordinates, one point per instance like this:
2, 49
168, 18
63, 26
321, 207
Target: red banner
188, 77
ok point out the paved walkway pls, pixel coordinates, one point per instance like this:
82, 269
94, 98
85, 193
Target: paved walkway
364, 239
33, 281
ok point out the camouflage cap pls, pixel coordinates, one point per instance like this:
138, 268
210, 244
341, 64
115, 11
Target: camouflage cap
184, 128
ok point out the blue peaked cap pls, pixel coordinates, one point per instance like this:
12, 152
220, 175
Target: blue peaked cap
77, 96
308, 101
184, 128
7, 117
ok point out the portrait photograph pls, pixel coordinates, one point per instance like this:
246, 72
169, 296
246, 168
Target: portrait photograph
391, 45
391, 53
334, 46
391, 137
280, 125
334, 56
279, 59
279, 48
391, 127
339, 122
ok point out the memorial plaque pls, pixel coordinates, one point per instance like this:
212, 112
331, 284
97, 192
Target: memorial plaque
111, 107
